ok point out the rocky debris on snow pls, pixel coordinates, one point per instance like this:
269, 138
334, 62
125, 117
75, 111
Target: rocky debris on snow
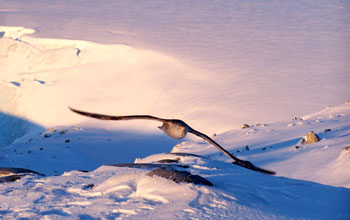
47, 135
63, 131
310, 138
186, 154
296, 147
89, 186
245, 126
179, 176
169, 160
327, 130
11, 174
148, 165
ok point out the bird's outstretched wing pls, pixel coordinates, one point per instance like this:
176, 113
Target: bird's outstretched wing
237, 161
111, 117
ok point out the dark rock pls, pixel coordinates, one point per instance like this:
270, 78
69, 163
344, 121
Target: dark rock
11, 174
246, 147
179, 176
67, 141
47, 135
63, 131
84, 171
168, 161
11, 178
187, 155
148, 165
245, 126
89, 186
327, 130
14, 170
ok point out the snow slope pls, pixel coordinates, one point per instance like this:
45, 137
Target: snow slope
252, 61
215, 65
65, 154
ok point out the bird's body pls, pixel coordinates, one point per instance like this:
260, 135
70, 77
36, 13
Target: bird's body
177, 129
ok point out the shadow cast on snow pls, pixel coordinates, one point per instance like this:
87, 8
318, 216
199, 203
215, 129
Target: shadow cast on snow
13, 127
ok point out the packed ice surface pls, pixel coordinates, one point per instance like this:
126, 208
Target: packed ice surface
215, 65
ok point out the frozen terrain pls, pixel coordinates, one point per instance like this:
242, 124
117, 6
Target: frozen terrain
216, 65
65, 154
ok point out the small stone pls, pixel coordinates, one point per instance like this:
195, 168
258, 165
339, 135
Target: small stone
247, 147
84, 171
63, 131
179, 176
47, 135
327, 130
67, 141
41, 148
169, 161
89, 186
264, 148
296, 147
310, 138
245, 126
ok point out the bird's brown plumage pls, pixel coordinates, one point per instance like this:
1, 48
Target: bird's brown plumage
178, 129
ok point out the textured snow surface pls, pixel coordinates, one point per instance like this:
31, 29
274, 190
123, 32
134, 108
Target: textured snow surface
215, 65
126, 193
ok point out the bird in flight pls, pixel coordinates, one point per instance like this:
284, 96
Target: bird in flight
177, 129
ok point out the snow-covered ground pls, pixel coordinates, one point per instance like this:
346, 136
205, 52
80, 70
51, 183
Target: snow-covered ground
216, 66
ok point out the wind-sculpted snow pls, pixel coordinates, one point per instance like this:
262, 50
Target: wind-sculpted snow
129, 193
